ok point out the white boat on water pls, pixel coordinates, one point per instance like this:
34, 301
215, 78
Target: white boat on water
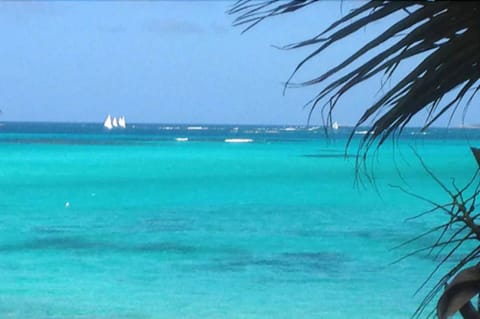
121, 122
112, 122
108, 122
335, 125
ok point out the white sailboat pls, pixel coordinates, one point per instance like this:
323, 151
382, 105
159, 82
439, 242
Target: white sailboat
121, 122
108, 122
114, 122
335, 125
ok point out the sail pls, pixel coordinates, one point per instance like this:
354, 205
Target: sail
114, 122
108, 122
121, 122
335, 125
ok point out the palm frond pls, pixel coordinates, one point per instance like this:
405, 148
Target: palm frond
461, 228
446, 35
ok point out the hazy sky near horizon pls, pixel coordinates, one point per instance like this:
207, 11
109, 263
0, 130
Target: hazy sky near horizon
161, 62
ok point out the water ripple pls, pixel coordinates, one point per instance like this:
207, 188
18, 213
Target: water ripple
326, 262
77, 243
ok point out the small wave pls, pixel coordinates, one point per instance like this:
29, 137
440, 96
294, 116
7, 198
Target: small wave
289, 129
238, 140
168, 128
181, 139
196, 128
418, 133
365, 132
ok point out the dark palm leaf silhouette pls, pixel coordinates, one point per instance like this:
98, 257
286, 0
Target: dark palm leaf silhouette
446, 34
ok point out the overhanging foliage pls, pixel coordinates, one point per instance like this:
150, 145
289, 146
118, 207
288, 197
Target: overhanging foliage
446, 33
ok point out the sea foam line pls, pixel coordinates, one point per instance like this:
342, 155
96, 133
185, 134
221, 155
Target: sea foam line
238, 140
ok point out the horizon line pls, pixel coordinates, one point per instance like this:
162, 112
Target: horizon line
226, 124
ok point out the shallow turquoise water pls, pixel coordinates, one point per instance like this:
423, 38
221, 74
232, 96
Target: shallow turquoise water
101, 224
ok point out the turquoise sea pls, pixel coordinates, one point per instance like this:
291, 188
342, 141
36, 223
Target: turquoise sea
137, 224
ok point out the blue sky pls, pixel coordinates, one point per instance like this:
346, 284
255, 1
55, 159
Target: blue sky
160, 62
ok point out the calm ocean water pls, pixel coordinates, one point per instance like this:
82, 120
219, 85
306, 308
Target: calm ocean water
142, 223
